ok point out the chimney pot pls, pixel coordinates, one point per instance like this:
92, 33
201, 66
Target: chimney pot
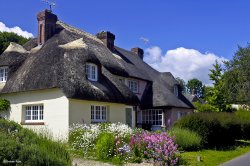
108, 39
46, 26
138, 51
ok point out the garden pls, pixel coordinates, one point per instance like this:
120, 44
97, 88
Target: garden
197, 139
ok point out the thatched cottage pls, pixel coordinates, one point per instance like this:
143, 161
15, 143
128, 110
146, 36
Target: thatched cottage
67, 76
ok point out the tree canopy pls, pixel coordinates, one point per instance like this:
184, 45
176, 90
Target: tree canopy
182, 84
7, 37
237, 77
195, 86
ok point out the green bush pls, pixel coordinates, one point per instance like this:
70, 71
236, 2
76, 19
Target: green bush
19, 144
199, 107
244, 117
186, 139
105, 146
216, 129
4, 105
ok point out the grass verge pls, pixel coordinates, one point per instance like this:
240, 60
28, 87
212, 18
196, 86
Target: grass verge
213, 157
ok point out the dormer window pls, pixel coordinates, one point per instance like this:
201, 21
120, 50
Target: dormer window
3, 74
91, 71
133, 85
176, 90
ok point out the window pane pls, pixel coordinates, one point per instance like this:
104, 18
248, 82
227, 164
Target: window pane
87, 71
93, 72
28, 113
41, 113
153, 117
98, 113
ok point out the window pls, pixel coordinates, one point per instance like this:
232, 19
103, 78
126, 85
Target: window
181, 114
98, 113
133, 86
91, 71
34, 113
152, 116
176, 90
4, 74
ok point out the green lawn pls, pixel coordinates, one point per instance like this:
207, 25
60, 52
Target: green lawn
213, 157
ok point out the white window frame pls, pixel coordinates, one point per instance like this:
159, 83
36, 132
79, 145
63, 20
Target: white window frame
4, 74
33, 113
153, 117
176, 91
91, 71
99, 113
133, 85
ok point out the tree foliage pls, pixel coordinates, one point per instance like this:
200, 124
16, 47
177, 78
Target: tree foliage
7, 37
182, 84
237, 77
216, 94
4, 105
195, 86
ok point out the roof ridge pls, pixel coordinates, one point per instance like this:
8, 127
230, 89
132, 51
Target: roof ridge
78, 31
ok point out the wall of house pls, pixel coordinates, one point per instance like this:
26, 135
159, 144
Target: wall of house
55, 110
80, 111
142, 86
2, 85
171, 115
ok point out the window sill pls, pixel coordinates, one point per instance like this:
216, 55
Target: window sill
95, 122
33, 123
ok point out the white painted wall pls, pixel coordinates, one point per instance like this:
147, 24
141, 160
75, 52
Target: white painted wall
55, 104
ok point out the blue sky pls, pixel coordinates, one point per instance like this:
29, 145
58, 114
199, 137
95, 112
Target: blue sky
213, 27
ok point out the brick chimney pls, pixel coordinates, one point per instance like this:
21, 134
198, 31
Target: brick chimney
138, 51
46, 26
108, 39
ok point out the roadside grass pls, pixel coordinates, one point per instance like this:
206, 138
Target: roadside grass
213, 157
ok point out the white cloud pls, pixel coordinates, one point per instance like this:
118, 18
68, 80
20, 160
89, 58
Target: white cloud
17, 30
182, 62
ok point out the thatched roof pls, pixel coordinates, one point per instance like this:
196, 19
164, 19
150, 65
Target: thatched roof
158, 93
60, 63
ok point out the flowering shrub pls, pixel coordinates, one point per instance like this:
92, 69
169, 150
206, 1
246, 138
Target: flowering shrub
85, 137
105, 146
119, 143
158, 147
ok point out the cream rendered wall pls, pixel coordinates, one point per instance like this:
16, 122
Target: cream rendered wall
80, 111
55, 104
2, 85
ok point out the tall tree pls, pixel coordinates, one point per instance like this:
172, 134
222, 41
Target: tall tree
182, 84
216, 96
237, 77
7, 37
195, 86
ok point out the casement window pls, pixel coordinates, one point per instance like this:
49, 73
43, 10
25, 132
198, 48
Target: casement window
176, 90
3, 74
98, 113
91, 71
181, 114
34, 113
133, 86
153, 117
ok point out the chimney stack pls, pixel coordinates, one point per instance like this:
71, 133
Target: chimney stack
108, 39
138, 51
46, 26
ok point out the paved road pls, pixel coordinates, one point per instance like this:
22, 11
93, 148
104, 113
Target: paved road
243, 160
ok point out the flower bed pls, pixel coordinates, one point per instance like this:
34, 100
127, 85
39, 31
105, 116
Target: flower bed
120, 144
